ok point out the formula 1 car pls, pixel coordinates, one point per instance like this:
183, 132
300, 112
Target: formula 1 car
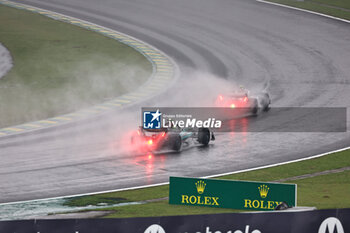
243, 100
170, 138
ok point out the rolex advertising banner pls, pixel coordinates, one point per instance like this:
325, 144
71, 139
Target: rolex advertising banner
316, 221
230, 193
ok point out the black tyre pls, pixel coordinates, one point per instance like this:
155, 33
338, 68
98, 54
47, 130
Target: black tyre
255, 108
203, 136
266, 108
176, 143
282, 206
267, 102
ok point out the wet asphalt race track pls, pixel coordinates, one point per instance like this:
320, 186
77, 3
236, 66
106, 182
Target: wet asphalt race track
302, 58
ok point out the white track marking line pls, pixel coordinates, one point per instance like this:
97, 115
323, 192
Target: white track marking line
308, 11
165, 183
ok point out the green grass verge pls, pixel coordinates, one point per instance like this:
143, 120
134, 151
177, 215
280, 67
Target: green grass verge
60, 68
326, 191
336, 8
334, 3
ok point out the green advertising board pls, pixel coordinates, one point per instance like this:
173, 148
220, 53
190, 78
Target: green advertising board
230, 193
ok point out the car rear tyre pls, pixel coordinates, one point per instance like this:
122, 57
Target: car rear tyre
266, 108
177, 143
255, 108
203, 136
267, 102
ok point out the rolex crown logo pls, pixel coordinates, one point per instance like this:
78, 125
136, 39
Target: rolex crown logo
200, 186
263, 190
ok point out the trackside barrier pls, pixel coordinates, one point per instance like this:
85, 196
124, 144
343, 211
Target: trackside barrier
317, 221
233, 194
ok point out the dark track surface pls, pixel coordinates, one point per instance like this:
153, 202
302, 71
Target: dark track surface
304, 58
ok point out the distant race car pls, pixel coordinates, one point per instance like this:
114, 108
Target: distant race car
243, 100
170, 138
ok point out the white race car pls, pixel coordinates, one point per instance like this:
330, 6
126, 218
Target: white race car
242, 99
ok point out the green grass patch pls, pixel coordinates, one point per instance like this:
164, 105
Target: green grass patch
335, 3
128, 196
328, 162
161, 208
326, 191
336, 8
60, 68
